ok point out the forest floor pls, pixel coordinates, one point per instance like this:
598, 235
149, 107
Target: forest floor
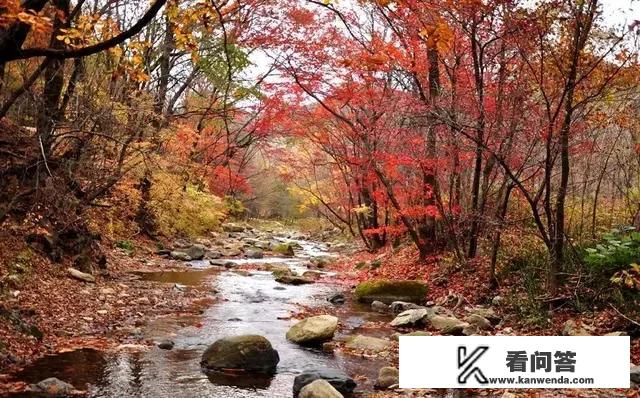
48, 311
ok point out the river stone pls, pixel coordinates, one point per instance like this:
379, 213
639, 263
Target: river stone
252, 353
180, 255
387, 377
285, 249
572, 329
166, 345
401, 306
487, 313
53, 387
229, 227
315, 329
389, 291
367, 343
319, 389
339, 380
479, 321
254, 253
409, 317
634, 374
293, 280
81, 275
212, 255
195, 252
336, 299
379, 306
447, 324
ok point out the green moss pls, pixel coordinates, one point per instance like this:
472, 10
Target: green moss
125, 245
285, 249
360, 264
388, 291
375, 264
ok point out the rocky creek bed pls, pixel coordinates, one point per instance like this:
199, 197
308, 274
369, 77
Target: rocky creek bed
269, 293
250, 301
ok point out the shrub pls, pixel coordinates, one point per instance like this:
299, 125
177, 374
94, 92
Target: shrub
184, 210
616, 252
125, 245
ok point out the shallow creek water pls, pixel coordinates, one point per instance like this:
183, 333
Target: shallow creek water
254, 304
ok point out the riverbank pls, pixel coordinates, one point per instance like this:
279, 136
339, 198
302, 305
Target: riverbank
148, 295
140, 329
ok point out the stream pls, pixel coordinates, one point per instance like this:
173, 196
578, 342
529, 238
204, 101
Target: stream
249, 304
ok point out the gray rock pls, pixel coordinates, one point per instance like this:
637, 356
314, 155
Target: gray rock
409, 317
635, 374
471, 330
339, 380
379, 306
251, 353
336, 298
570, 328
487, 313
196, 252
401, 306
497, 301
82, 276
316, 329
367, 343
180, 255
212, 255
447, 324
319, 389
387, 377
53, 387
254, 253
479, 321
166, 345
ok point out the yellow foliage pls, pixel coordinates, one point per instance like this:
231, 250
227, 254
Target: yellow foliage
179, 210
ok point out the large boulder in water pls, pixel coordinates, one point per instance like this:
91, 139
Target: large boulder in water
319, 389
339, 380
388, 291
316, 329
251, 353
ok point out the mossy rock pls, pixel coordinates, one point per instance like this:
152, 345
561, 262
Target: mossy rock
389, 291
285, 249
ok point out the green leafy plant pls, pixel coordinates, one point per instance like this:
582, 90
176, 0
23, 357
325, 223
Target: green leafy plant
616, 252
125, 245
